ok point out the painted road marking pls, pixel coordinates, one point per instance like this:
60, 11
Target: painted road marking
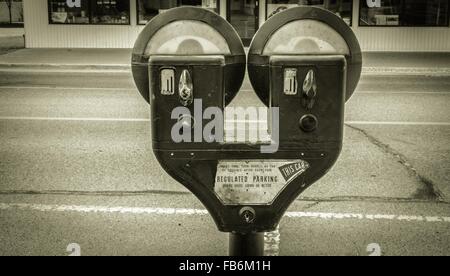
357, 92
193, 212
272, 243
66, 71
67, 88
398, 123
405, 71
271, 239
128, 89
74, 119
126, 69
403, 92
250, 122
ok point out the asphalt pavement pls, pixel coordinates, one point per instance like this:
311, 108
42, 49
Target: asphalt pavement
77, 167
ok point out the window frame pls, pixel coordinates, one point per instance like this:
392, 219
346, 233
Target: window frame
90, 15
13, 24
447, 25
141, 24
351, 12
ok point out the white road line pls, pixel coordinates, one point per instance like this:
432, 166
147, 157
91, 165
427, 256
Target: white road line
243, 90
58, 65
402, 92
272, 243
101, 209
271, 239
67, 88
64, 71
75, 119
377, 217
254, 122
192, 212
383, 92
250, 122
398, 123
405, 71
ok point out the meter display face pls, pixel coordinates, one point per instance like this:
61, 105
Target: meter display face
302, 31
188, 34
187, 37
306, 37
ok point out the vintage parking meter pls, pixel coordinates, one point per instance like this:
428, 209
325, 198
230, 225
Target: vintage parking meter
304, 62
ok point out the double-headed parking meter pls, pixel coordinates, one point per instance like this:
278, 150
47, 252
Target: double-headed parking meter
189, 63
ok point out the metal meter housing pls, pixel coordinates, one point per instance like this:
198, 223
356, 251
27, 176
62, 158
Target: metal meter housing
298, 31
191, 53
185, 32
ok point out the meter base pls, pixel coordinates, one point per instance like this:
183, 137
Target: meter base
197, 170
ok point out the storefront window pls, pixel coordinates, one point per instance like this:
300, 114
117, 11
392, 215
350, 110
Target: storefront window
244, 17
114, 12
62, 13
147, 9
343, 8
404, 13
11, 13
111, 12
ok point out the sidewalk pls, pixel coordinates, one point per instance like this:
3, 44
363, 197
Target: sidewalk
68, 59
406, 63
119, 59
11, 42
11, 38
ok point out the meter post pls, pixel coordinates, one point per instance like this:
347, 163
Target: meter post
246, 244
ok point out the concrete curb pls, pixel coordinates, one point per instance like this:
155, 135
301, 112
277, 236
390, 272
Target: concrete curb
65, 67
12, 42
127, 68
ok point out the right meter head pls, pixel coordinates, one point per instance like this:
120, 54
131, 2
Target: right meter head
303, 38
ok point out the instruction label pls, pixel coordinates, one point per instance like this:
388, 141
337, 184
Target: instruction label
255, 182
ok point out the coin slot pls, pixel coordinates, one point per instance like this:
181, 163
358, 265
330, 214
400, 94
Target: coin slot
167, 82
290, 81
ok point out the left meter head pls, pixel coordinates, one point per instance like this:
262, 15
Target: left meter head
194, 39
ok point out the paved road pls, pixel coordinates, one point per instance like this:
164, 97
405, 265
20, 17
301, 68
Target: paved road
72, 139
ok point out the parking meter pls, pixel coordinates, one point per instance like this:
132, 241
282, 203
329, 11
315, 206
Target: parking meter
189, 37
307, 62
304, 62
183, 55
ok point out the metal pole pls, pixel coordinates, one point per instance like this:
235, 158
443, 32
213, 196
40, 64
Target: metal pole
242, 245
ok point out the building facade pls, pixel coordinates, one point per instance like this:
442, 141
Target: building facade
11, 18
380, 25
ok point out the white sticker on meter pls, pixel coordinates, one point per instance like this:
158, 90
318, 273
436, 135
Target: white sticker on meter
255, 182
167, 82
290, 81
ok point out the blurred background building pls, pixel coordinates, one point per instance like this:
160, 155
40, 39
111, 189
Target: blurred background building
380, 25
